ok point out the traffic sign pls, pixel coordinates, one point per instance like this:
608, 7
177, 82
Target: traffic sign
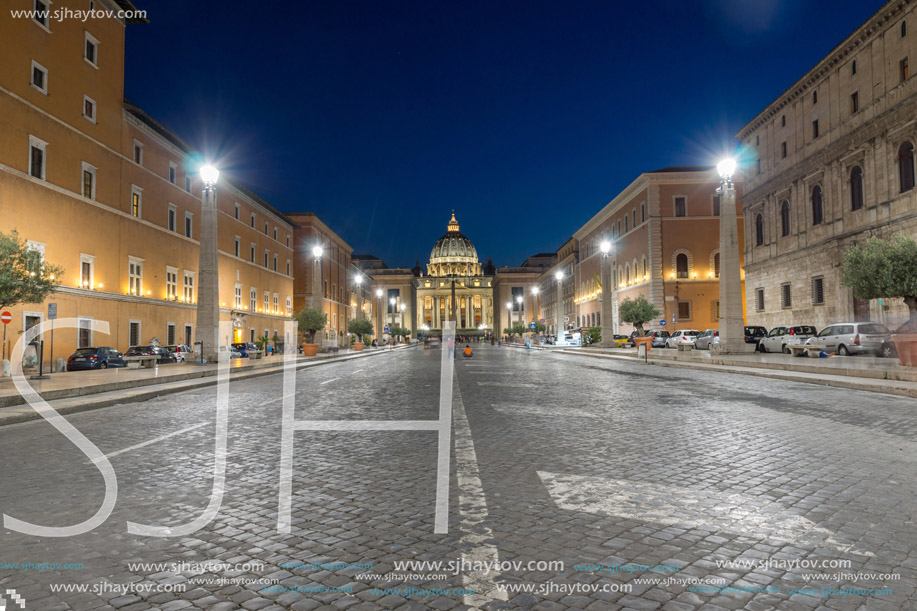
532, 326
52, 311
6, 318
388, 329
542, 321
662, 322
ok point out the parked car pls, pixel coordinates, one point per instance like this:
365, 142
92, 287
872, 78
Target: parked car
620, 340
888, 349
102, 357
754, 333
684, 336
182, 352
780, 337
659, 338
160, 351
635, 333
244, 348
853, 338
707, 339
233, 352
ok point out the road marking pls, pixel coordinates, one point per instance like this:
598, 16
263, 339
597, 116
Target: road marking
495, 373
328, 381
357, 371
531, 409
151, 441
508, 384
473, 506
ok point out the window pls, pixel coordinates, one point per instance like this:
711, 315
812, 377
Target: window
288, 241
619, 227
818, 290
785, 219
138, 153
266, 258
237, 297
276, 303
170, 333
135, 276
289, 306
633, 214
171, 284
188, 227
91, 49
39, 78
288, 267
188, 335
853, 67
253, 220
41, 13
188, 184
759, 166
854, 102
89, 109
237, 246
818, 208
235, 211
680, 206
856, 188
84, 335
716, 205
786, 299
188, 288
35, 256
252, 259
134, 333
252, 299
642, 213
783, 121
759, 230
716, 265
265, 227
275, 234
171, 219
681, 265
89, 181
905, 167
37, 150
903, 29
815, 97
815, 128
684, 310
626, 224
267, 303
136, 205
759, 300
173, 172
715, 310
87, 263
783, 149
275, 263
903, 70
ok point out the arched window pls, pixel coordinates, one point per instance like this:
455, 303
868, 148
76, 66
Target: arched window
818, 208
643, 265
906, 166
759, 230
856, 188
716, 265
627, 274
785, 218
681, 265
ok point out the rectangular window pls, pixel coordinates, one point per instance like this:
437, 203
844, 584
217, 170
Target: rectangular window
633, 214
252, 299
172, 217
37, 149
786, 297
136, 207
188, 184
782, 120
267, 257
853, 67
854, 102
171, 285
759, 166
275, 234
91, 52
288, 241
41, 13
189, 337
237, 246
815, 128
252, 252
276, 303
815, 97
289, 306
759, 300
89, 181
680, 206
188, 287
188, 226
135, 276
267, 302
903, 69
235, 211
626, 224
138, 153
39, 78
265, 227
716, 205
173, 172
134, 333
89, 109
684, 310
253, 220
237, 301
84, 337
87, 263
642, 213
170, 334
818, 290
288, 267
275, 263
783, 149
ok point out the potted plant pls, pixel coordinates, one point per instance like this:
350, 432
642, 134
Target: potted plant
278, 343
886, 269
361, 327
310, 321
638, 312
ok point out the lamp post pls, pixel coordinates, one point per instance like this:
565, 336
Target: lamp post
391, 302
509, 315
208, 283
732, 323
379, 293
317, 298
560, 330
607, 289
403, 307
358, 280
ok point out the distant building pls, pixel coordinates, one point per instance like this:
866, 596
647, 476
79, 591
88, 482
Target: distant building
834, 164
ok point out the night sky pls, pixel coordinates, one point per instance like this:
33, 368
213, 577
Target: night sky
525, 117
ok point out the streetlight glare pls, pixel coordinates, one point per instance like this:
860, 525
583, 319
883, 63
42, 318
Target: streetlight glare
605, 246
519, 298
209, 175
726, 167
317, 251
392, 301
559, 275
358, 279
534, 290
509, 304
378, 292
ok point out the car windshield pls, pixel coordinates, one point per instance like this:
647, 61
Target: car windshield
804, 330
84, 351
874, 328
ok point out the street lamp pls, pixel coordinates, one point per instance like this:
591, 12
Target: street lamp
208, 284
560, 329
607, 336
731, 321
392, 302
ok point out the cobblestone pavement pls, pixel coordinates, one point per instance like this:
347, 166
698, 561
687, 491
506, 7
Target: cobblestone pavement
655, 488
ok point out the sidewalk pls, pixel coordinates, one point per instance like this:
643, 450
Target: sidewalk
868, 373
76, 391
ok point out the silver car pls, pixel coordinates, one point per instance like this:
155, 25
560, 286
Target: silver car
852, 338
706, 339
779, 338
681, 337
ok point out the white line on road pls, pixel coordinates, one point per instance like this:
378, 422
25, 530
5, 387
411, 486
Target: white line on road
357, 370
508, 384
328, 381
151, 441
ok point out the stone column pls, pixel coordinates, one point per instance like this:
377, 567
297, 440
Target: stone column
607, 323
732, 332
560, 328
208, 279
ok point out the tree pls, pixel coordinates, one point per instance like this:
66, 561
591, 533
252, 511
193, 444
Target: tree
278, 342
884, 269
592, 335
360, 326
262, 342
23, 276
517, 328
311, 320
540, 327
637, 312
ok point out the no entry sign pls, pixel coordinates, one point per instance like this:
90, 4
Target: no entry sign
6, 318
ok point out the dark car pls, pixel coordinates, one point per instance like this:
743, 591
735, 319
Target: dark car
164, 355
244, 347
887, 349
102, 357
753, 334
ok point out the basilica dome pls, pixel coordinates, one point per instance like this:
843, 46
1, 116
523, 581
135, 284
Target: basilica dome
454, 254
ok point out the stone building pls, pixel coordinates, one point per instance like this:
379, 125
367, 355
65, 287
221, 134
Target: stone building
833, 163
517, 295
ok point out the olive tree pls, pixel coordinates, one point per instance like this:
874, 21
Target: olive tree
884, 269
24, 278
637, 312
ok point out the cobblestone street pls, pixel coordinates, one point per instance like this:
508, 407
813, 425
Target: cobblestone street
574, 484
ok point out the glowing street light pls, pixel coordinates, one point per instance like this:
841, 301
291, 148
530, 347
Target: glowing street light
209, 175
607, 337
208, 288
732, 321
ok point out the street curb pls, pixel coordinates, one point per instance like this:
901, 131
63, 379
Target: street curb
166, 388
820, 379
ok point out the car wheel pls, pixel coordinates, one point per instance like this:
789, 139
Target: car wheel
103, 366
887, 351
785, 349
763, 348
842, 350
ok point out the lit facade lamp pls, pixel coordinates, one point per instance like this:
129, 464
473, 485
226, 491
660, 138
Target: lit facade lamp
731, 323
208, 288
607, 290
